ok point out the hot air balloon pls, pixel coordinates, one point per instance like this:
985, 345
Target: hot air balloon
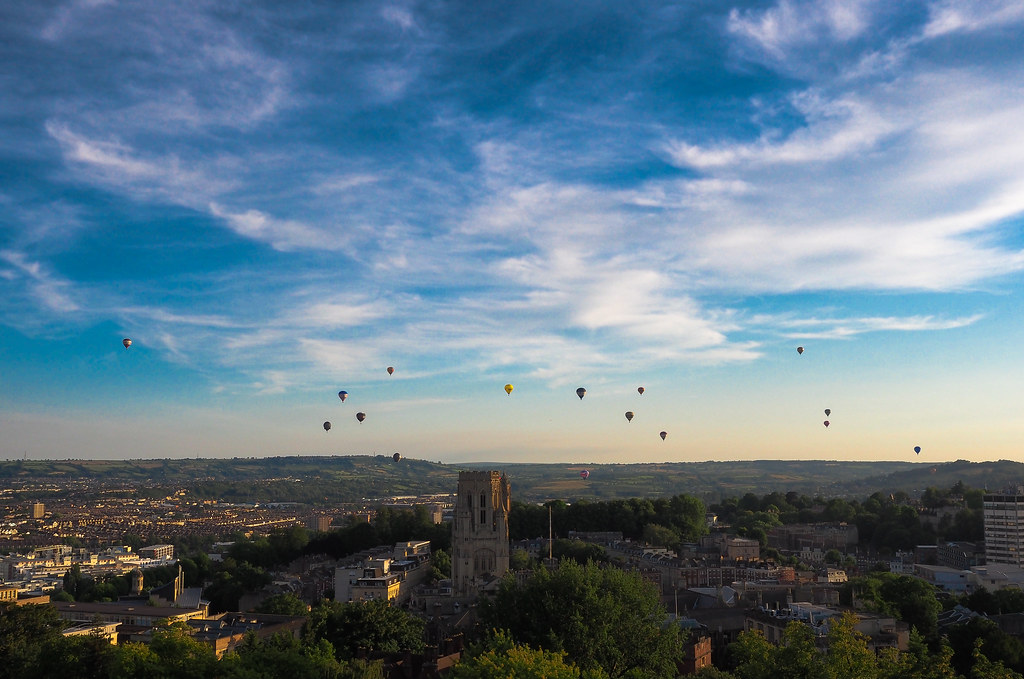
396, 457
663, 435
826, 424
584, 474
629, 416
799, 350
391, 370
509, 388
581, 392
360, 416
640, 390
917, 449
342, 395
126, 342
327, 426
828, 411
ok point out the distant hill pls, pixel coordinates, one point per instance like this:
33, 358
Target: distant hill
319, 480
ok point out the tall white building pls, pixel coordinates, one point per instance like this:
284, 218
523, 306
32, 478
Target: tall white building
1004, 528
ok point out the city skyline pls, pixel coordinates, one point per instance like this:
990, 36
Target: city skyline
277, 202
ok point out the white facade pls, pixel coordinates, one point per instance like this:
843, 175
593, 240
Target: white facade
1004, 529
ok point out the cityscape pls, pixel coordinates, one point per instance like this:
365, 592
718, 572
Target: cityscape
389, 339
887, 572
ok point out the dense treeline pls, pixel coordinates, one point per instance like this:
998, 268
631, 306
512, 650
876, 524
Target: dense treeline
683, 515
885, 523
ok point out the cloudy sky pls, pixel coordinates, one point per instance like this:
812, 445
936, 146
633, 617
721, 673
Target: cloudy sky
276, 201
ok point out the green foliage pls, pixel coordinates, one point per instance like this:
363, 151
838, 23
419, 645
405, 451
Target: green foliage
909, 599
600, 617
993, 603
578, 551
499, 657
518, 559
980, 635
660, 536
682, 514
284, 656
373, 625
25, 631
917, 662
283, 604
984, 668
846, 655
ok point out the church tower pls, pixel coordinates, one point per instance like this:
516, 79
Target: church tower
480, 530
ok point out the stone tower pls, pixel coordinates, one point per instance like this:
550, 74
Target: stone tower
480, 530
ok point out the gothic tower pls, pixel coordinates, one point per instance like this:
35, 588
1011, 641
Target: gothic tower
480, 530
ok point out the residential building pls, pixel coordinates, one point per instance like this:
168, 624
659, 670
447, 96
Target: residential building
1004, 528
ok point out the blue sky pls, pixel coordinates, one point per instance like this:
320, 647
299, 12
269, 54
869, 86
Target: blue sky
277, 201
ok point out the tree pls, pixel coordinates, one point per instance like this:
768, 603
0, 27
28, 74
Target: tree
752, 656
283, 604
600, 617
24, 632
373, 625
518, 559
987, 669
285, 656
499, 657
848, 655
902, 596
660, 536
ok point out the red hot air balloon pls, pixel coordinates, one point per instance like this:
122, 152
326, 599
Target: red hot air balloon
126, 342
826, 424
640, 390
585, 474
581, 392
663, 435
360, 416
391, 370
629, 416
342, 395
327, 426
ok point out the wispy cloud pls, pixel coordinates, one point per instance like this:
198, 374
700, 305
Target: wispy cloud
958, 16
841, 328
51, 291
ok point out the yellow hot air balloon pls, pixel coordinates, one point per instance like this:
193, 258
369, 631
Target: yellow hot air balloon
509, 388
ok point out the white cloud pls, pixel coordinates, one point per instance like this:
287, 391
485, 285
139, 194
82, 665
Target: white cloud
281, 234
966, 16
791, 23
834, 129
50, 290
841, 328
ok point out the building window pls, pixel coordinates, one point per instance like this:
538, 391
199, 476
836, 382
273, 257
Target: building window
483, 516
